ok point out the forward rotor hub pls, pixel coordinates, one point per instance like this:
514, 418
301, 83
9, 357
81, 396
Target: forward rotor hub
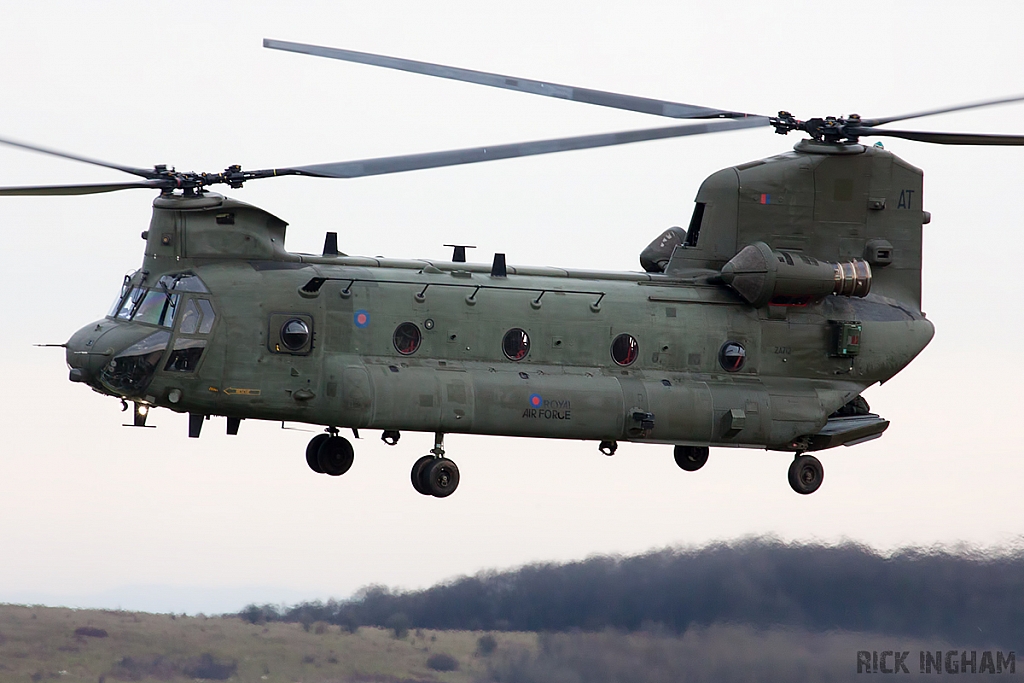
192, 182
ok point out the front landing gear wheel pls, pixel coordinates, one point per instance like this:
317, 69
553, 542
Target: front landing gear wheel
313, 449
806, 474
418, 470
691, 458
441, 478
335, 456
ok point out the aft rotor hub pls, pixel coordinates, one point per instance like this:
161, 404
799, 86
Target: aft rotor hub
831, 129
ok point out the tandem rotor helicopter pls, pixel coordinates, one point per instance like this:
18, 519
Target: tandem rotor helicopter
795, 287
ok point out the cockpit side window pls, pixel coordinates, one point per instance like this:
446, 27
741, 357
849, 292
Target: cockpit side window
208, 316
116, 306
197, 318
131, 370
189, 318
186, 354
126, 287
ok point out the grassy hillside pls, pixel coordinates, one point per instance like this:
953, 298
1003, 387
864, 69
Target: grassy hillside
40, 643
49, 644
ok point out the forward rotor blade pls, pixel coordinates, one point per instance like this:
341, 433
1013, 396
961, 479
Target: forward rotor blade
941, 138
412, 162
142, 172
676, 110
78, 189
943, 110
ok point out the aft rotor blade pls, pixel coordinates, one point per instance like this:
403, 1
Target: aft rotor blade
676, 110
142, 172
412, 162
942, 138
78, 189
943, 110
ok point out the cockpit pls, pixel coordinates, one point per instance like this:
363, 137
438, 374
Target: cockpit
156, 326
154, 305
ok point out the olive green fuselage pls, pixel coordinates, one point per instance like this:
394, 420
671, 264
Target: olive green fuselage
677, 383
459, 379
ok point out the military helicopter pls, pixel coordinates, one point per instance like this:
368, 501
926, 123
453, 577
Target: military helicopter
795, 286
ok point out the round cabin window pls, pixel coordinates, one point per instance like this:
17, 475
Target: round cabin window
516, 344
295, 334
625, 349
407, 338
732, 356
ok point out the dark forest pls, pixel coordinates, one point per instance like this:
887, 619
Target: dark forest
963, 597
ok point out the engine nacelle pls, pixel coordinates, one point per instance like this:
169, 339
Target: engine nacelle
761, 275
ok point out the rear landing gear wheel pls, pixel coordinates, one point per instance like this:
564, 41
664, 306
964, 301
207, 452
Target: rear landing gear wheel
441, 478
691, 458
313, 449
335, 456
806, 474
418, 469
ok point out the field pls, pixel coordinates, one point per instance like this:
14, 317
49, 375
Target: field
51, 644
40, 643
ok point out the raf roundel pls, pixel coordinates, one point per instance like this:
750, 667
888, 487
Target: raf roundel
536, 401
361, 319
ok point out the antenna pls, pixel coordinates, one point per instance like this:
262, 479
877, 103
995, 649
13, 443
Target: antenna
331, 244
459, 252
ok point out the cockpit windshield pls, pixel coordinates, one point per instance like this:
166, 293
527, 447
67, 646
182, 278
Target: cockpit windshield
130, 303
157, 308
155, 305
180, 299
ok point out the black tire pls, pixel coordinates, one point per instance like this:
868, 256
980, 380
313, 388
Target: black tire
806, 474
335, 456
418, 469
441, 478
312, 451
691, 458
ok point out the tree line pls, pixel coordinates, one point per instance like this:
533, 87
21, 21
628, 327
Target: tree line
957, 596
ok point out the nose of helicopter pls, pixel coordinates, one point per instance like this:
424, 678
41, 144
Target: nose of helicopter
84, 356
91, 348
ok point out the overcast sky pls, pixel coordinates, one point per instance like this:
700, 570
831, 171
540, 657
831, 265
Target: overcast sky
95, 514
